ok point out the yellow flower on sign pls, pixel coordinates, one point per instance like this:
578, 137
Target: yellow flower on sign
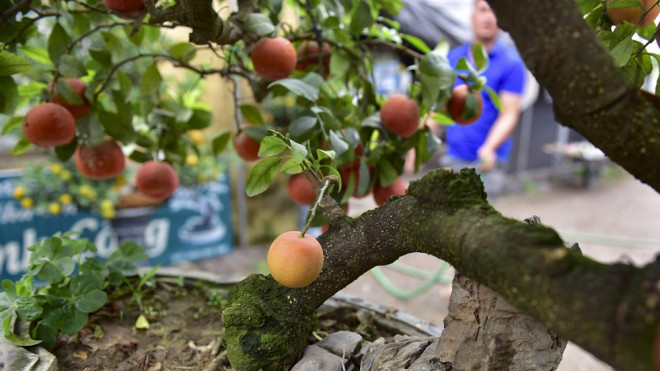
107, 204
65, 199
27, 202
65, 175
54, 208
19, 192
192, 160
197, 136
55, 168
88, 192
108, 213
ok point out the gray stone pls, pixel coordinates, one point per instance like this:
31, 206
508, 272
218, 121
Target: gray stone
316, 358
341, 343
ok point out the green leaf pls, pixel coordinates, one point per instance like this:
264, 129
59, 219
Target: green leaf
28, 308
387, 174
200, 119
302, 126
251, 114
299, 152
8, 95
622, 52
261, 175
480, 57
142, 323
12, 124
494, 98
70, 66
416, 42
75, 320
291, 167
58, 41
435, 75
19, 341
65, 92
11, 64
151, 80
323, 154
298, 87
588, 5
364, 180
9, 289
219, 143
271, 145
83, 284
131, 251
65, 151
90, 129
37, 54
91, 301
21, 146
137, 37
102, 56
183, 51
361, 18
259, 24
338, 144
115, 126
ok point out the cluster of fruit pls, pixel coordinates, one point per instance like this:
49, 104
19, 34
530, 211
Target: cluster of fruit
53, 123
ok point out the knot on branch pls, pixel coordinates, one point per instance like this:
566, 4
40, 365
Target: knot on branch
264, 328
445, 188
331, 210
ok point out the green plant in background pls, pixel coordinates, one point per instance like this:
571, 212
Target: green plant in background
74, 284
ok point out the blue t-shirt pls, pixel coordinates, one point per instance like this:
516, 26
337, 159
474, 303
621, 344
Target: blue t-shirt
505, 72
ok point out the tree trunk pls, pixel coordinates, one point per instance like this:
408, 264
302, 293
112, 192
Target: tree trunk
610, 310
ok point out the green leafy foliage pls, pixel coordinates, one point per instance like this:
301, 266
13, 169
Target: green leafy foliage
75, 287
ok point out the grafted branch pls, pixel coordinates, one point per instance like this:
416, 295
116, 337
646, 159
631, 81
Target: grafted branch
611, 310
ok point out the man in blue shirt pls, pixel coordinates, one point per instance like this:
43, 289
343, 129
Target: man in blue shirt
485, 144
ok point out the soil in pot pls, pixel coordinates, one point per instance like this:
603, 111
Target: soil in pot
185, 329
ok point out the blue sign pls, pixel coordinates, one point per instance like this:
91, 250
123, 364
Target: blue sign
194, 224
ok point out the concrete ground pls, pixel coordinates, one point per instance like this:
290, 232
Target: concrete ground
615, 220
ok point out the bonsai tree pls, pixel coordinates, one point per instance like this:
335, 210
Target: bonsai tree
340, 136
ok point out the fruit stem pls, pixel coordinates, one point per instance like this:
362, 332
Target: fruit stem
311, 212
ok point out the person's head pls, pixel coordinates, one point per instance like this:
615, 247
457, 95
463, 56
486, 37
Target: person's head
484, 23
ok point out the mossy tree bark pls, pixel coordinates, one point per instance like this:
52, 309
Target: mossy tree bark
611, 310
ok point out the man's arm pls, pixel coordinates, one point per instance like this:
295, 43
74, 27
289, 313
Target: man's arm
501, 129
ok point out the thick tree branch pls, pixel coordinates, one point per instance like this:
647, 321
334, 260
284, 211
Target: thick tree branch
590, 92
611, 310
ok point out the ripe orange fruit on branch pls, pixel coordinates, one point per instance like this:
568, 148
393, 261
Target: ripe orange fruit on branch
49, 125
156, 179
295, 261
457, 102
308, 55
246, 147
400, 115
634, 13
301, 190
381, 194
77, 110
102, 161
273, 58
125, 6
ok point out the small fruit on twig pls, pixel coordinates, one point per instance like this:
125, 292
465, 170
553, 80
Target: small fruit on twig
273, 58
295, 261
49, 125
156, 179
103, 161
400, 115
78, 87
458, 102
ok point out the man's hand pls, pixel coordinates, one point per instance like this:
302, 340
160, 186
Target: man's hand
487, 158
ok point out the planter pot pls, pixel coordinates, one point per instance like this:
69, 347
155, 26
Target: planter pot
201, 343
